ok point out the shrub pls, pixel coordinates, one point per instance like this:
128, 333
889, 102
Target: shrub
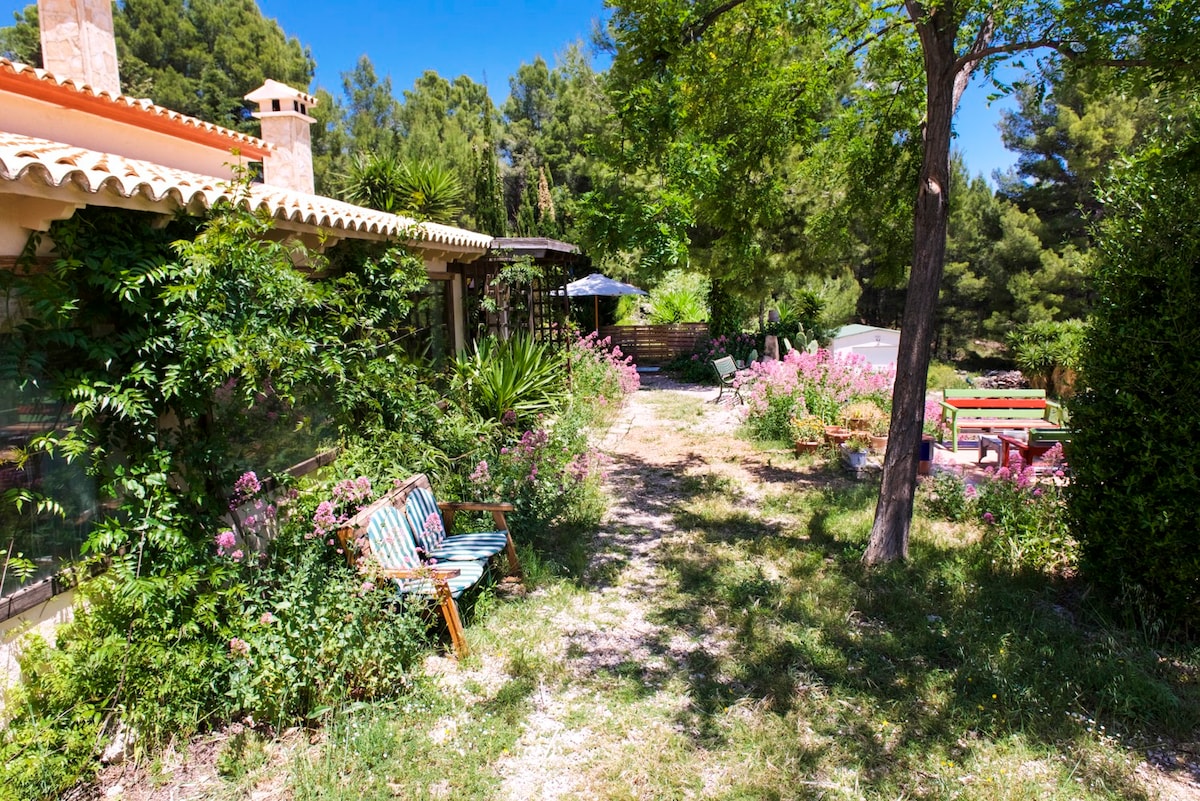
601, 371
808, 383
548, 474
1133, 503
807, 428
1048, 353
519, 377
1025, 521
698, 366
312, 632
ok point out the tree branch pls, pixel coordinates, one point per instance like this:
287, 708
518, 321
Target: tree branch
692, 33
963, 67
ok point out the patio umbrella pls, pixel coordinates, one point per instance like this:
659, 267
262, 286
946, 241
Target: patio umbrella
596, 285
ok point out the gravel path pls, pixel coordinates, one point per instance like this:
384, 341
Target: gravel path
650, 457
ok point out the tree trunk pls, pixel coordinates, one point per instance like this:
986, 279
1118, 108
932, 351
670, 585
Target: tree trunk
893, 514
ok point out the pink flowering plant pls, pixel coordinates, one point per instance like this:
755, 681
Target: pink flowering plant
550, 475
803, 383
600, 370
1022, 511
313, 631
698, 366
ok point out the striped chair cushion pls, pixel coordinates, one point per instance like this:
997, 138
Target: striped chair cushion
425, 518
391, 539
482, 545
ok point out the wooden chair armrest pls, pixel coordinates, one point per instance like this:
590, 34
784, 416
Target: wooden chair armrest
414, 573
474, 506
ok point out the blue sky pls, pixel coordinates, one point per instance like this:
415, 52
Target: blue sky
489, 40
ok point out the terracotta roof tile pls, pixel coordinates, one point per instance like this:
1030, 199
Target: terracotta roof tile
35, 77
25, 158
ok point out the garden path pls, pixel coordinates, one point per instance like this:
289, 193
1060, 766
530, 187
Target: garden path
663, 439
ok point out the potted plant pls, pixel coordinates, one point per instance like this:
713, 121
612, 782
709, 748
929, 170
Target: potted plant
879, 433
862, 415
807, 432
856, 450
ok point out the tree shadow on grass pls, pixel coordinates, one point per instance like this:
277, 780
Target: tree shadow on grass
949, 650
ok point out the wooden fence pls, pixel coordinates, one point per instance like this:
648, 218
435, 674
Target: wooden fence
656, 344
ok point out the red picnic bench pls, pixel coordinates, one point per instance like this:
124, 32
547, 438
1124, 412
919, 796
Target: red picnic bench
989, 410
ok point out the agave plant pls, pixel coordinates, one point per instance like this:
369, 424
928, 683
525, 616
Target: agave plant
431, 191
520, 377
426, 190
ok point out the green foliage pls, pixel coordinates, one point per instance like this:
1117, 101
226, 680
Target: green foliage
520, 378
312, 633
151, 344
944, 376
202, 57
1045, 350
22, 41
425, 190
1132, 504
681, 296
198, 57
1024, 518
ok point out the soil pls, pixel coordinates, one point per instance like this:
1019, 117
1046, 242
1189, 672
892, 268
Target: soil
652, 456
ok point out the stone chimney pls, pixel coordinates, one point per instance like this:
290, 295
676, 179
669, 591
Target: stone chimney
283, 112
78, 42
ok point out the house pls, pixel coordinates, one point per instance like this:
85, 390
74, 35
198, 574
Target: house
69, 139
879, 346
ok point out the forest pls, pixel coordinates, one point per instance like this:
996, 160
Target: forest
774, 197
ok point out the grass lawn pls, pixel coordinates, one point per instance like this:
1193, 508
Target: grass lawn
753, 657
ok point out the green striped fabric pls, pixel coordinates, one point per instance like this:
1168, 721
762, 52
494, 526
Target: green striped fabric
392, 543
391, 540
426, 520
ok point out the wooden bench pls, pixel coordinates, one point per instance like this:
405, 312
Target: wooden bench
403, 533
726, 370
987, 410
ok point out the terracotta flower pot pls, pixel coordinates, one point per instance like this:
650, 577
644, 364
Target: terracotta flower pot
836, 435
879, 444
806, 447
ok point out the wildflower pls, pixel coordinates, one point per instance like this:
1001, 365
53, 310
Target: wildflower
237, 555
433, 527
988, 517
238, 646
481, 474
324, 519
367, 586
266, 619
225, 540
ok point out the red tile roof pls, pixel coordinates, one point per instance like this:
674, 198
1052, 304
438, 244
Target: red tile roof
27, 159
39, 84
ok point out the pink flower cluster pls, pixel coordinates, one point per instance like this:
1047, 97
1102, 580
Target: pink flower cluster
588, 464
842, 378
481, 474
244, 489
603, 352
349, 496
225, 542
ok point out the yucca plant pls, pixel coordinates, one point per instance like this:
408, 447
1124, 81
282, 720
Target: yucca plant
423, 189
520, 377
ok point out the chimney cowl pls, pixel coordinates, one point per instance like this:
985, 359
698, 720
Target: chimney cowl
283, 114
274, 97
